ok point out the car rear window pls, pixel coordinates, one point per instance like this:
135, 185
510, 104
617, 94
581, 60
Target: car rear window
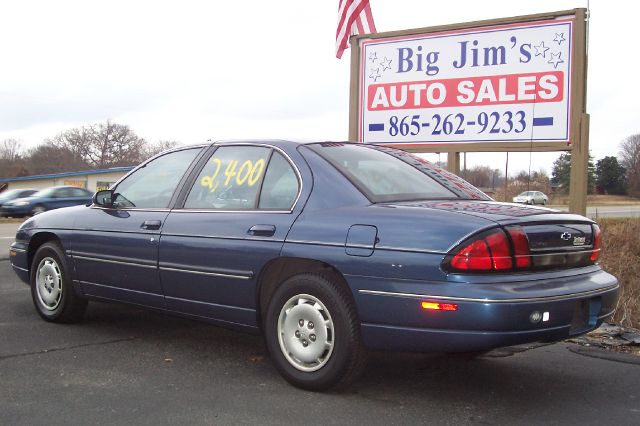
386, 174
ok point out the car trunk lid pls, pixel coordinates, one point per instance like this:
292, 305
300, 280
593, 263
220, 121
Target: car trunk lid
557, 240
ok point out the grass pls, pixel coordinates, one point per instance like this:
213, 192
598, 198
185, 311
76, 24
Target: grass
621, 257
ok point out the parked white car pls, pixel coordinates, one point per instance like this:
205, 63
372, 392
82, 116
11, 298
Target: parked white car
531, 197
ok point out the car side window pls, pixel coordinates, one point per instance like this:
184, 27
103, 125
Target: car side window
77, 192
152, 185
62, 193
280, 187
230, 180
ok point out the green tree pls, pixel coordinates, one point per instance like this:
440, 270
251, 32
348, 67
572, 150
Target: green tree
610, 175
561, 173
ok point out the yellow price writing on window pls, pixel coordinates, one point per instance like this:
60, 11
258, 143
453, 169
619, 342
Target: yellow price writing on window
249, 173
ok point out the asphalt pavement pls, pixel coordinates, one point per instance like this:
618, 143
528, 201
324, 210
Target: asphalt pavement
126, 365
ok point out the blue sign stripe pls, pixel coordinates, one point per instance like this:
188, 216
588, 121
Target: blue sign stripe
376, 127
543, 121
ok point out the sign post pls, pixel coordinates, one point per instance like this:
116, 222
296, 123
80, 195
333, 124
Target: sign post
512, 84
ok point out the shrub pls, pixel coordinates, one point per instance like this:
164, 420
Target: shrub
621, 257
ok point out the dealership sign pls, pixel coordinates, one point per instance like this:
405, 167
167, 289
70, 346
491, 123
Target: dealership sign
508, 83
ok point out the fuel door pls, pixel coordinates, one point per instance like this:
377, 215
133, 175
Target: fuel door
361, 240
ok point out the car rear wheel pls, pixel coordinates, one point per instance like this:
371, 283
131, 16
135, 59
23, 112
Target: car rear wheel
313, 334
51, 289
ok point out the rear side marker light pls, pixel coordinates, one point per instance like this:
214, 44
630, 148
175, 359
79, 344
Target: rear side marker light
597, 243
437, 306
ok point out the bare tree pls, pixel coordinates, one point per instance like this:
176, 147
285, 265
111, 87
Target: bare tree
630, 156
149, 150
483, 176
10, 150
11, 161
103, 145
49, 158
522, 177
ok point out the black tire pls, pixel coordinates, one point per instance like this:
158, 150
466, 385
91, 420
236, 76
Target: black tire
333, 368
51, 288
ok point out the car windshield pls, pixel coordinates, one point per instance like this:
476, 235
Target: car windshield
386, 174
9, 194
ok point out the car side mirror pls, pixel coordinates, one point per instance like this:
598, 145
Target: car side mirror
103, 198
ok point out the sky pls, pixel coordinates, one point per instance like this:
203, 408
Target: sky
190, 71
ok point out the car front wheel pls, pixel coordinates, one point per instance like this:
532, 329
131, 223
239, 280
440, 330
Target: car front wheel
51, 288
313, 334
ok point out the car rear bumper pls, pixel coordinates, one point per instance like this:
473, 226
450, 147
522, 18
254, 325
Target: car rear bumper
395, 320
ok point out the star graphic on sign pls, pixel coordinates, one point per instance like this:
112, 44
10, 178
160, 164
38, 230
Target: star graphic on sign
559, 38
375, 74
373, 57
556, 59
541, 49
386, 64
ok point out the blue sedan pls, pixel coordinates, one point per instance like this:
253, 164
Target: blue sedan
46, 199
327, 249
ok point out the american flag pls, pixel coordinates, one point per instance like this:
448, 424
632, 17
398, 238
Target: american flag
354, 18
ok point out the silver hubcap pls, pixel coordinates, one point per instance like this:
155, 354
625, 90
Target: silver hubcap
305, 332
49, 284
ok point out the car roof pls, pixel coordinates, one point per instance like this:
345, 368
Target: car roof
63, 186
280, 143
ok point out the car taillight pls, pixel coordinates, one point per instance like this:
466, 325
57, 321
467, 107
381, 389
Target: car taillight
520, 246
492, 251
474, 257
597, 243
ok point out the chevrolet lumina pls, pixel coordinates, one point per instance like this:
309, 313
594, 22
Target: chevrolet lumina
327, 249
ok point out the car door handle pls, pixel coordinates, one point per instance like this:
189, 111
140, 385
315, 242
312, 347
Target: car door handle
151, 224
262, 230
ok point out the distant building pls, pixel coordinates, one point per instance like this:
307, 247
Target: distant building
93, 180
